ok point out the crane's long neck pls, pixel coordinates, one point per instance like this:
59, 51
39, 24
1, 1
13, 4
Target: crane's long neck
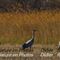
33, 34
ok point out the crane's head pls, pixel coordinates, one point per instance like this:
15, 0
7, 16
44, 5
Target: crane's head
34, 30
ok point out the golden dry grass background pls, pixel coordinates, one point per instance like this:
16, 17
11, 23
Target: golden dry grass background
16, 28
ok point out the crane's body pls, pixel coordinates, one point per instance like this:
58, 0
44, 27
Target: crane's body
30, 42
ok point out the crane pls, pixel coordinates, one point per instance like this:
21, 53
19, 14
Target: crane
29, 43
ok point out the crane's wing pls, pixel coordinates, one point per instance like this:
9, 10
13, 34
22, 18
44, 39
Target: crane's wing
28, 41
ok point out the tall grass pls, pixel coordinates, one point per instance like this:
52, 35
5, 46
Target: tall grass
16, 28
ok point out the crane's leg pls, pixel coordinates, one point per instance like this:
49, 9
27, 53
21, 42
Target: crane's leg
30, 48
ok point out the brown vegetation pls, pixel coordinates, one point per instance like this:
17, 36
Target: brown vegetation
15, 28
